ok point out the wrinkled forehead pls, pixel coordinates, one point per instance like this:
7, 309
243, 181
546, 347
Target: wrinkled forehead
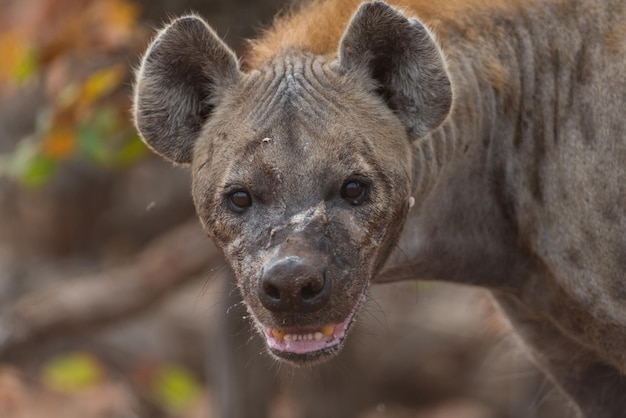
296, 110
294, 91
297, 124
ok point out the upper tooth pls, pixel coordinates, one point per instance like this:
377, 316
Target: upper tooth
278, 334
328, 330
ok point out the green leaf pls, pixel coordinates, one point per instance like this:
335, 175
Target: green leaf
27, 66
101, 83
105, 120
38, 171
27, 165
131, 151
91, 143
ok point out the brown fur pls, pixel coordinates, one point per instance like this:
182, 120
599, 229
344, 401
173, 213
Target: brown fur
518, 184
318, 25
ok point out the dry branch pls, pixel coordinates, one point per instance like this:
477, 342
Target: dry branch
106, 296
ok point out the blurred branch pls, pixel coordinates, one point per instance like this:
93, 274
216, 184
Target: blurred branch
113, 294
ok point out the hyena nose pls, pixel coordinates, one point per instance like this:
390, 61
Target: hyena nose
294, 284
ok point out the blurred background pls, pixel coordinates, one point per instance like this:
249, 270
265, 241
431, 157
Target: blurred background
113, 303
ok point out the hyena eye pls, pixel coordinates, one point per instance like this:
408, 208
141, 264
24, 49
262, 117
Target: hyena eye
239, 201
354, 191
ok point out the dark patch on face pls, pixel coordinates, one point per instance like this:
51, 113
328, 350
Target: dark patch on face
574, 257
584, 68
518, 33
221, 235
486, 141
556, 64
539, 154
618, 289
620, 258
208, 148
611, 212
587, 123
517, 138
504, 197
589, 237
536, 187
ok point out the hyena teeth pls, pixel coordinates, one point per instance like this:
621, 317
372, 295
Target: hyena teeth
325, 331
328, 330
278, 334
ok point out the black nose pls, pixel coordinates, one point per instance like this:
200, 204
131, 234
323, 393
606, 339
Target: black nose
294, 284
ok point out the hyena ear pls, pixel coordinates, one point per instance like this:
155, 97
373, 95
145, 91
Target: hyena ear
181, 77
402, 57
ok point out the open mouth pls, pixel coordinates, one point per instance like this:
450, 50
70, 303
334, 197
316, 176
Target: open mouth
309, 343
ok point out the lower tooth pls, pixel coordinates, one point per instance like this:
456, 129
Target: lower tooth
318, 336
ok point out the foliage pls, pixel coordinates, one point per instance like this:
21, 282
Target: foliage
170, 386
175, 388
71, 372
76, 53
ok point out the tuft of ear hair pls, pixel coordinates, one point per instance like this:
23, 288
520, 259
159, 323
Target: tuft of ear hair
181, 77
404, 60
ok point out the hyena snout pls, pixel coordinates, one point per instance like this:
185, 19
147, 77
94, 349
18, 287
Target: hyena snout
294, 284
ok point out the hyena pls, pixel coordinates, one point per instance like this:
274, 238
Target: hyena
480, 142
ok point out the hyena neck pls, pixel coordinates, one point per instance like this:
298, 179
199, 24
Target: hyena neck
474, 175
463, 226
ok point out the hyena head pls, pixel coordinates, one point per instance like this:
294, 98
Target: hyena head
302, 167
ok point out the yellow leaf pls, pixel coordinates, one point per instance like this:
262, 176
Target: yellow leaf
72, 372
11, 52
101, 82
60, 143
116, 21
175, 388
18, 58
119, 13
